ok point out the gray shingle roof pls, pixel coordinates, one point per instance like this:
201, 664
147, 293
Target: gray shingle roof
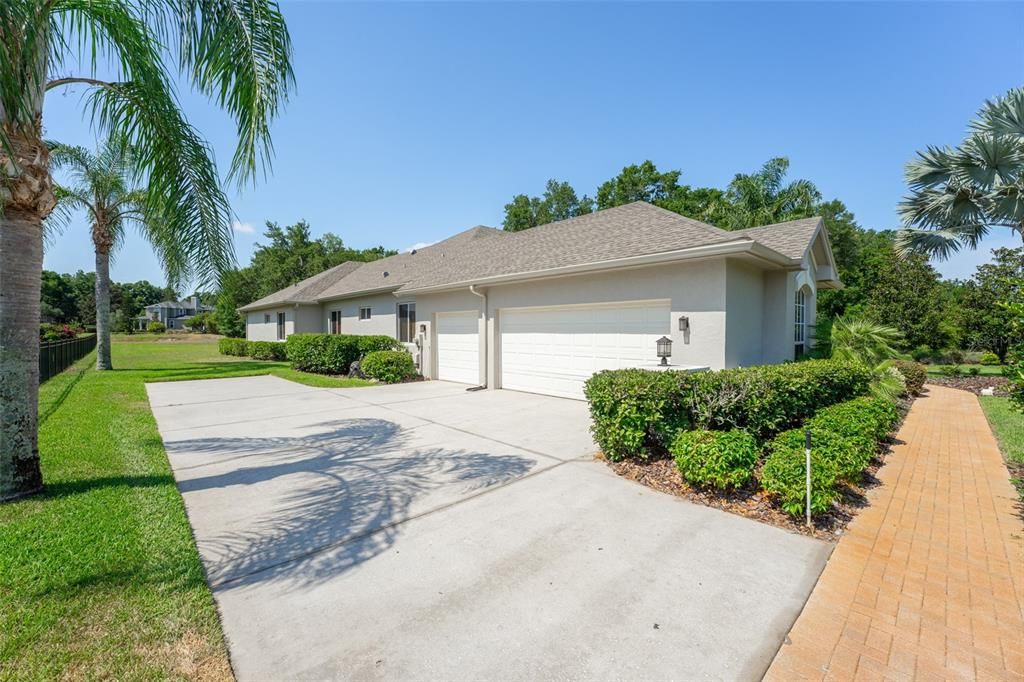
791, 239
308, 290
631, 230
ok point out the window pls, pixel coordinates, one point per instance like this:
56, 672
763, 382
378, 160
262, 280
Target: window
800, 323
335, 322
406, 322
364, 313
280, 326
266, 318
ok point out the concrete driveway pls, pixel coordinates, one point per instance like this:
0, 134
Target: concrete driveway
422, 531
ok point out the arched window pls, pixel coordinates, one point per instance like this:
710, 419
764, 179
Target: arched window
800, 324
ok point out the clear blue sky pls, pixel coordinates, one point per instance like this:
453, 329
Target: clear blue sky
413, 121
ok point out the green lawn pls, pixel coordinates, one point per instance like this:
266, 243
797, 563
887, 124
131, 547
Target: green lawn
99, 575
983, 370
1008, 426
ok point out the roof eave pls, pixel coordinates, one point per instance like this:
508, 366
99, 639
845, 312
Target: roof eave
732, 248
356, 294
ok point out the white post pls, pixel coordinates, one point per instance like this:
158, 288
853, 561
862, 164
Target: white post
807, 455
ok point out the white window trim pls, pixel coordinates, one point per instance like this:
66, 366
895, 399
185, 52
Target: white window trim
800, 318
369, 312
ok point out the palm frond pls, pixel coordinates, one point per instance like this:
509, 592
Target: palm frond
239, 53
862, 341
1003, 115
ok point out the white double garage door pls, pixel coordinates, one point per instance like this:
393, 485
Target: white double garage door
553, 350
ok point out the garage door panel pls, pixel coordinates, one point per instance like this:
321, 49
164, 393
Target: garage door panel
555, 350
458, 347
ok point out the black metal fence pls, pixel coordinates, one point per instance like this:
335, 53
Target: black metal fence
57, 356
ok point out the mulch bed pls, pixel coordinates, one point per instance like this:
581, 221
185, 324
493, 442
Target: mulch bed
973, 384
662, 475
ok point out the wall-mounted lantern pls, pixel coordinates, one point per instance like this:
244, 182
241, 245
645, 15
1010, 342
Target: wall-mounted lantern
664, 350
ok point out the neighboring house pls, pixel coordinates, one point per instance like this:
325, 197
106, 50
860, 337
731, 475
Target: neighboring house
543, 309
173, 314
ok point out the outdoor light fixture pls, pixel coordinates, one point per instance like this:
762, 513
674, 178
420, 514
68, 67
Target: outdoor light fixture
664, 350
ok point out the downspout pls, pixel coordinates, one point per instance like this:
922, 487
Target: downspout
472, 290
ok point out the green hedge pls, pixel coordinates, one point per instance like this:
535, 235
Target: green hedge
389, 366
265, 350
237, 347
332, 353
720, 459
784, 476
768, 399
988, 358
868, 417
849, 454
636, 411
914, 374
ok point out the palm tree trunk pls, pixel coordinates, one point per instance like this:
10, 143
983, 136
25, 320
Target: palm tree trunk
103, 309
25, 200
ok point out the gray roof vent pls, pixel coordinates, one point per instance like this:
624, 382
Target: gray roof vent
413, 252
386, 273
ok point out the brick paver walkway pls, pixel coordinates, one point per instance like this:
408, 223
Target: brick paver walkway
928, 582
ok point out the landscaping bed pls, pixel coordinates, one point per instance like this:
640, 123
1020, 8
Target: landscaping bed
974, 384
735, 439
663, 475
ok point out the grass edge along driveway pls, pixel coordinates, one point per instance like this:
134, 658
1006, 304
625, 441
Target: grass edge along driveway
99, 575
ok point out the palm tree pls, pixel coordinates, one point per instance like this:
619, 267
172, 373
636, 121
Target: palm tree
763, 198
237, 52
101, 186
958, 194
873, 345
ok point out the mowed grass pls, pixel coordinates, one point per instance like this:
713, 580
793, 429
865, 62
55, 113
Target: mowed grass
1008, 426
99, 575
983, 370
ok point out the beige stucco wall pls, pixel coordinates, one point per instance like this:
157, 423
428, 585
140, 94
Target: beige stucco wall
745, 306
383, 314
696, 290
298, 319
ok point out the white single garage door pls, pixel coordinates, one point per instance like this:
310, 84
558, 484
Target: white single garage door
554, 350
458, 347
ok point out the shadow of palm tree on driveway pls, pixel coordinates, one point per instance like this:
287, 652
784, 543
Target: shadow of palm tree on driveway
304, 509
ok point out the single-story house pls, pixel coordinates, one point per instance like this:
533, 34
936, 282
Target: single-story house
543, 309
173, 314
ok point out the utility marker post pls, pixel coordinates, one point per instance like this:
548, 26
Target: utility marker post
807, 455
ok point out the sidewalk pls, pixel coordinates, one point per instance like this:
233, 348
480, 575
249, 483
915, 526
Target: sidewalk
928, 582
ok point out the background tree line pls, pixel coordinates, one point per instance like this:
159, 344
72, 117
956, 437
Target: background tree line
67, 298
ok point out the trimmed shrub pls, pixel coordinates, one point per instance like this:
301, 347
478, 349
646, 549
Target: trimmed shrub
988, 358
951, 371
973, 371
720, 459
156, 327
237, 347
332, 353
869, 417
914, 373
265, 350
635, 412
848, 454
389, 366
785, 478
768, 399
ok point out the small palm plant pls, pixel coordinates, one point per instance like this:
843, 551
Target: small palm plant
873, 345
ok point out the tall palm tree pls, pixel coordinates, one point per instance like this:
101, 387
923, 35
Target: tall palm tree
958, 194
101, 185
764, 197
237, 52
